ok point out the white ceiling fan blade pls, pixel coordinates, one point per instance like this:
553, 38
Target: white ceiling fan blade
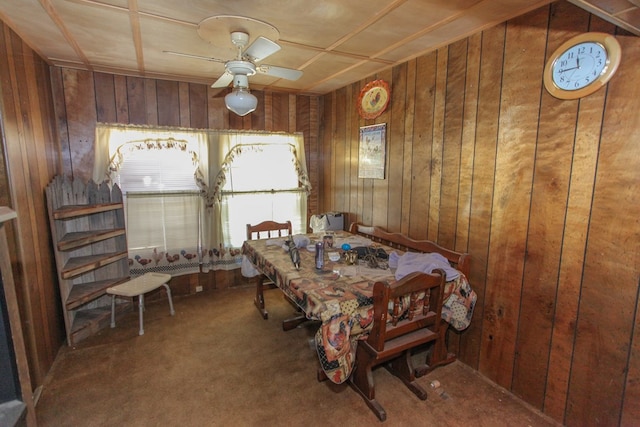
188, 55
260, 49
223, 81
283, 73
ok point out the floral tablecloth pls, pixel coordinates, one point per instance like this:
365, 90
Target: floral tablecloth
340, 296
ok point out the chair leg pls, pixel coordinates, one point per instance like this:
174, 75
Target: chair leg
113, 311
171, 310
141, 311
402, 367
361, 380
259, 300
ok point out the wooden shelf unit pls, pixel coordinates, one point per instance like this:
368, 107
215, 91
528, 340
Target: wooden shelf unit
90, 244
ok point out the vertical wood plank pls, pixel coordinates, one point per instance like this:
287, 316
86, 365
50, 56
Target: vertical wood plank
437, 143
395, 148
470, 111
60, 115
198, 106
421, 160
217, 112
81, 119
407, 176
484, 162
105, 98
292, 113
122, 104
467, 150
355, 195
453, 119
280, 103
380, 196
348, 130
268, 111
151, 102
136, 100
338, 163
184, 111
168, 103
258, 116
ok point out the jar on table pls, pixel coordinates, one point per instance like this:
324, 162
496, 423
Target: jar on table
328, 240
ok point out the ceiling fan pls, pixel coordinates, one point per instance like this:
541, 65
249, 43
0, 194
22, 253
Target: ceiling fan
238, 70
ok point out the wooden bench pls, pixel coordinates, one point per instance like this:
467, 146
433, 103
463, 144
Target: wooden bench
438, 355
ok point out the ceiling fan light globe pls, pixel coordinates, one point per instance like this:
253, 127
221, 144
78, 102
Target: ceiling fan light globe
241, 101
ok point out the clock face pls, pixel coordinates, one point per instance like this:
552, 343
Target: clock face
579, 66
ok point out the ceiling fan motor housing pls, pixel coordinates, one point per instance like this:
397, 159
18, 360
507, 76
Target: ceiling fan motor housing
241, 67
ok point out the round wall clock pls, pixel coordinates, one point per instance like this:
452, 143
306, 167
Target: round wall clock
582, 65
373, 99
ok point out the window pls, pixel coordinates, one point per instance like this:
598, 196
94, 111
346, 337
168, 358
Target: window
161, 199
261, 184
162, 205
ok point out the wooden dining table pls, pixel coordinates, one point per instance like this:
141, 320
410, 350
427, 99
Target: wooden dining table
338, 295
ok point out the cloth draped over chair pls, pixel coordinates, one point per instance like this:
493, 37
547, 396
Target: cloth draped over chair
212, 152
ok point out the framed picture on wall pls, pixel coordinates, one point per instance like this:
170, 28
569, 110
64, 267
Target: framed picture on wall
372, 151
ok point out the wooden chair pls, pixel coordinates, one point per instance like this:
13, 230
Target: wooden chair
397, 329
266, 230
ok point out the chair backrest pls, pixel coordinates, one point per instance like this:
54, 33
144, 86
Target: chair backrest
407, 307
268, 229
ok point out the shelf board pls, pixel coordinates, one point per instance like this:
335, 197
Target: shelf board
77, 239
72, 211
89, 322
83, 264
82, 293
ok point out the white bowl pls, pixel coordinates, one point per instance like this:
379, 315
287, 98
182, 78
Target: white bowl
334, 256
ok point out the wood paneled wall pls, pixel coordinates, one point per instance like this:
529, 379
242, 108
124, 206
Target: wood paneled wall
30, 158
543, 193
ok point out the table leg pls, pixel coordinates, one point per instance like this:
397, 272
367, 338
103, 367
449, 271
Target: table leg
259, 300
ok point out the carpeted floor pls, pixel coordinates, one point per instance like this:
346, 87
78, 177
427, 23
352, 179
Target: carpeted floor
218, 363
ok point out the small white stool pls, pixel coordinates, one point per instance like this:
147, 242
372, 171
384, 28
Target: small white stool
138, 287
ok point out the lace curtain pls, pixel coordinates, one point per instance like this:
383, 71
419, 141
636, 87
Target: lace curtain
211, 151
